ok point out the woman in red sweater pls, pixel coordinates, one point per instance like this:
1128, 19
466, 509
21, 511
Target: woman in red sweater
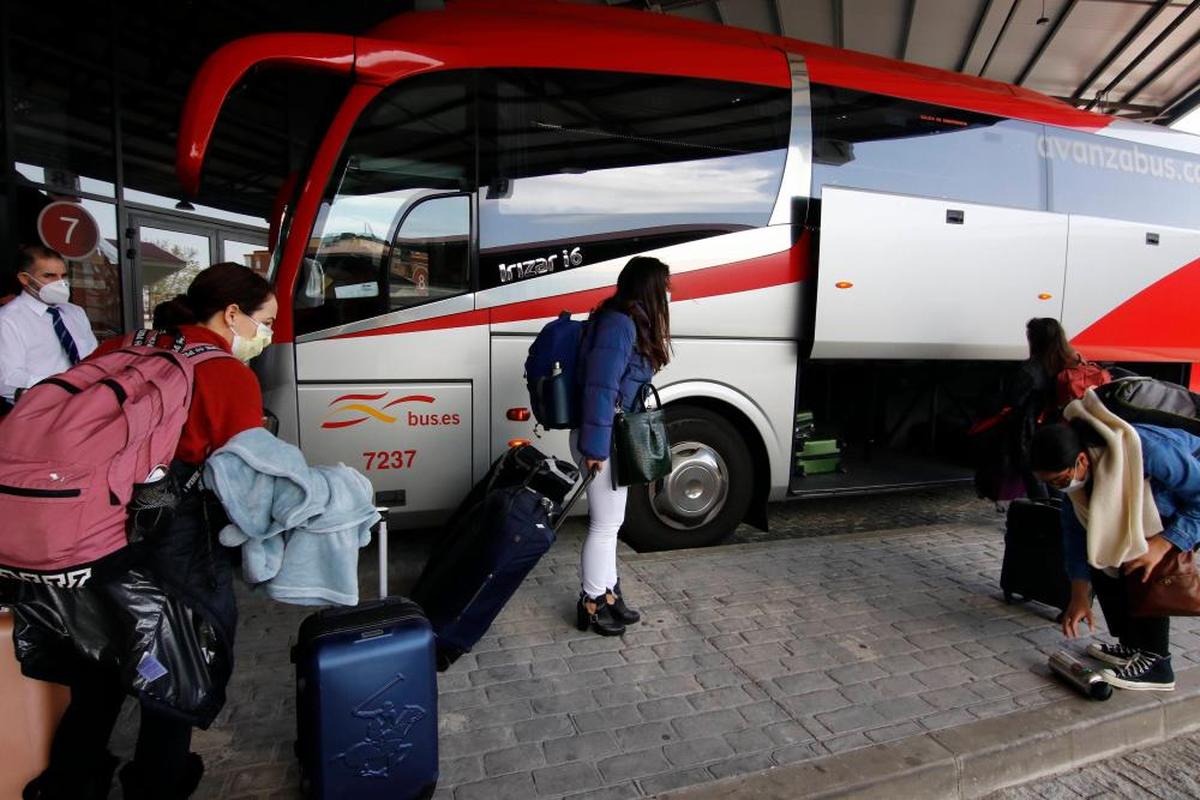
231, 307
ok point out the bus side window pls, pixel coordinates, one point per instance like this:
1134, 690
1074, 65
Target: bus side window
579, 167
430, 254
394, 229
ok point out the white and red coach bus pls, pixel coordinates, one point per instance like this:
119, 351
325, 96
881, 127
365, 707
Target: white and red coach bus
848, 234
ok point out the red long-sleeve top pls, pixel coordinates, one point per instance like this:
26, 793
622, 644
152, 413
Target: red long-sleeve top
226, 399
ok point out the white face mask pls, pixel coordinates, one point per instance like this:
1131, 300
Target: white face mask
245, 349
1074, 486
1076, 483
54, 293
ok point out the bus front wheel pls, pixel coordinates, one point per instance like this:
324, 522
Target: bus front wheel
707, 493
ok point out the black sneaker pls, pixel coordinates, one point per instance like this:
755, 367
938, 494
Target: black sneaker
1146, 672
1116, 654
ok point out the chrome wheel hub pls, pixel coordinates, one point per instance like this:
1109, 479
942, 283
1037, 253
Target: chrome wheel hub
696, 489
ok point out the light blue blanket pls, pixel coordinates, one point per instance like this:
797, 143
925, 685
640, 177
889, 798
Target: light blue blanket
300, 527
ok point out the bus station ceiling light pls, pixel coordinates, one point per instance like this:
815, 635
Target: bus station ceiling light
184, 205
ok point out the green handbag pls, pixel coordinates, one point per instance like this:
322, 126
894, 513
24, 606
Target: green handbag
641, 449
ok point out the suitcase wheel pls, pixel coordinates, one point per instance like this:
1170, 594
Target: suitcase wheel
1008, 598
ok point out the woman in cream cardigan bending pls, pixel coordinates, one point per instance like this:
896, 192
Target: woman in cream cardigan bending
1155, 482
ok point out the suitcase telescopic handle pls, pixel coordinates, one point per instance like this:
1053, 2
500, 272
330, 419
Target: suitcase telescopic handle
383, 551
583, 485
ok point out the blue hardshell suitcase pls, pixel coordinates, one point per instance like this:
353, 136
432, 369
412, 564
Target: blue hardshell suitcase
491, 547
366, 701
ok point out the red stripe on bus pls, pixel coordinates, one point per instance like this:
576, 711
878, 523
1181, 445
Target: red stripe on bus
344, 423
379, 396
1156, 324
466, 319
412, 398
777, 269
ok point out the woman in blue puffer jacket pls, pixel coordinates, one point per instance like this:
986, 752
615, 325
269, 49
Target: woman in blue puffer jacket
626, 342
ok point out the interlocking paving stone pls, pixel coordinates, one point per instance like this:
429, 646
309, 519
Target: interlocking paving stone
566, 778
784, 648
590, 747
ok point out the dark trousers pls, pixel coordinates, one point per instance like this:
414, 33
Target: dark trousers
81, 742
1152, 634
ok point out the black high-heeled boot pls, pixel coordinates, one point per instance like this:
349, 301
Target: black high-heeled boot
602, 620
621, 611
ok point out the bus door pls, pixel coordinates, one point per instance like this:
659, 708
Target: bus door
391, 362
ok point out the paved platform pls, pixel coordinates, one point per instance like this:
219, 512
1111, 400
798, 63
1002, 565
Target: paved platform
751, 657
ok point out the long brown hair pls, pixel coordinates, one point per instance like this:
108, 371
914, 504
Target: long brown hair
642, 294
1048, 345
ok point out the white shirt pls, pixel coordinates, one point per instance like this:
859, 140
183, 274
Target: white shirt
29, 348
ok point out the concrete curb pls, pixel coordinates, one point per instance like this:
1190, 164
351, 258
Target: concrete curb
974, 760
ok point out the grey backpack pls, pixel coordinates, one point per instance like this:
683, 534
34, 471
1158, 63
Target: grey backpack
1149, 401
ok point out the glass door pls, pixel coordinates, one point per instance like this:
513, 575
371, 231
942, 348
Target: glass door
168, 253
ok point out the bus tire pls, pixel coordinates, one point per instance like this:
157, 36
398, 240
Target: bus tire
707, 494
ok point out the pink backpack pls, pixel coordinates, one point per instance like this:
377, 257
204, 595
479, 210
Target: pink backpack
74, 447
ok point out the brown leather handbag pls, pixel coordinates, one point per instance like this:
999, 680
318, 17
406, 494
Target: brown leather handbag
1172, 591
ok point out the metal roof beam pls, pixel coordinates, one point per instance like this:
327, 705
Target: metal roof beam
983, 15
1115, 53
778, 14
1146, 51
1158, 71
1182, 104
839, 23
1046, 42
1012, 10
910, 13
1139, 108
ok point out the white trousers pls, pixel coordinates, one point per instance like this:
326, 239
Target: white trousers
606, 512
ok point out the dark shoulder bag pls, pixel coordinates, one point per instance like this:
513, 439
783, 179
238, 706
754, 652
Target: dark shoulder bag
641, 449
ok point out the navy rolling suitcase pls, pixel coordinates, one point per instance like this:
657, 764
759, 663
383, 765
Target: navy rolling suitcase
499, 534
366, 700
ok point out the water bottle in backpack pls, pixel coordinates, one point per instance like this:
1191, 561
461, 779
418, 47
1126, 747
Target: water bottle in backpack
550, 373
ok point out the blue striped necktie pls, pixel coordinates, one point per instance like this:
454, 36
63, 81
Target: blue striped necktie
64, 335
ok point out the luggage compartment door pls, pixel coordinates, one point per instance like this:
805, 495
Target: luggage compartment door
413, 438
911, 277
1114, 310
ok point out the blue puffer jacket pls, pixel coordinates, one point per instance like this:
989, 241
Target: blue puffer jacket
613, 371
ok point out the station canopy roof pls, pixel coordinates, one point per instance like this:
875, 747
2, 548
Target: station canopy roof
1134, 58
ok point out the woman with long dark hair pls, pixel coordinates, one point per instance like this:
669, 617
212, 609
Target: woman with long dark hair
1029, 393
627, 341
230, 307
1049, 347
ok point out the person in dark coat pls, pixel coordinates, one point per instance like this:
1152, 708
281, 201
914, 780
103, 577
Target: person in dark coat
627, 341
1029, 392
